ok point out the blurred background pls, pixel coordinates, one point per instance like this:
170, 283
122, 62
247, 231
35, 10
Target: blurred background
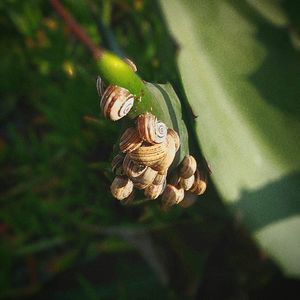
62, 235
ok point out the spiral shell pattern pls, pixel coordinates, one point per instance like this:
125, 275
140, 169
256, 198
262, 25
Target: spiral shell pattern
150, 129
116, 102
130, 140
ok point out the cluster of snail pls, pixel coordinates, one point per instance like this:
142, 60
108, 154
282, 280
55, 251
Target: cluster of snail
147, 150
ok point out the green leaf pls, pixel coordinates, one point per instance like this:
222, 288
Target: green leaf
241, 76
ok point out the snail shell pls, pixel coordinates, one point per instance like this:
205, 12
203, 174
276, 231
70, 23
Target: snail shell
150, 129
131, 168
130, 63
116, 102
175, 136
145, 179
121, 187
172, 195
117, 164
200, 183
130, 140
188, 200
100, 85
149, 155
186, 183
154, 191
163, 165
188, 166
159, 179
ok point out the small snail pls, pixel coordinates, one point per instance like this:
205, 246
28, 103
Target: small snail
188, 166
130, 63
188, 200
130, 140
186, 183
144, 179
154, 191
121, 187
116, 102
199, 185
131, 168
172, 195
149, 155
150, 129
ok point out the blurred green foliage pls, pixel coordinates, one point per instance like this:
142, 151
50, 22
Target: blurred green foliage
62, 236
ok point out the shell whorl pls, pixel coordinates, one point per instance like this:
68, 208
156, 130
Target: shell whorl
188, 166
150, 129
116, 102
130, 140
172, 195
149, 155
131, 168
121, 187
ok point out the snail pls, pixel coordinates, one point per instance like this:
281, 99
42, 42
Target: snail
149, 155
130, 140
188, 166
188, 200
100, 85
131, 168
186, 183
163, 165
172, 195
116, 102
121, 187
199, 185
150, 129
144, 179
130, 63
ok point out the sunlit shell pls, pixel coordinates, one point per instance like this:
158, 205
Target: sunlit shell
149, 155
116, 102
186, 183
132, 168
121, 187
163, 165
188, 166
130, 140
172, 195
175, 136
159, 179
154, 191
200, 183
145, 179
150, 129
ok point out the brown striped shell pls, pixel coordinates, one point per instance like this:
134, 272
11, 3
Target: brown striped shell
150, 129
149, 155
116, 102
163, 165
186, 183
145, 179
175, 137
154, 191
172, 195
188, 166
130, 140
131, 168
200, 183
121, 187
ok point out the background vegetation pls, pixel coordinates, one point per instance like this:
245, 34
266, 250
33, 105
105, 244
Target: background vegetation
62, 235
